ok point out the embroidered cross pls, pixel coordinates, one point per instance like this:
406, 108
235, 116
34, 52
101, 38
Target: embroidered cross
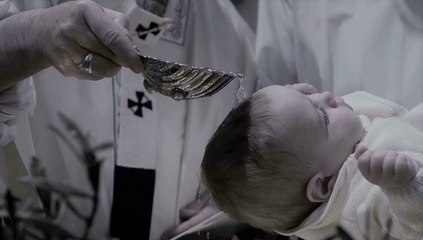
142, 31
137, 106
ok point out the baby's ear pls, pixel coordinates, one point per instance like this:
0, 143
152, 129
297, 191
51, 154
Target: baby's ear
319, 187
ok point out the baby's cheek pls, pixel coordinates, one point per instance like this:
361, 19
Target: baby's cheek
348, 125
356, 129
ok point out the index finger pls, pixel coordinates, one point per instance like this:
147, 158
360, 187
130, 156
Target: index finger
360, 150
113, 37
364, 163
118, 17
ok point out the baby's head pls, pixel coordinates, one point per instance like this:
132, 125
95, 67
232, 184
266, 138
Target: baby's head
275, 157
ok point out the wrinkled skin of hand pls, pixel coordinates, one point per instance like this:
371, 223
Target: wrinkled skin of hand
386, 168
69, 31
62, 36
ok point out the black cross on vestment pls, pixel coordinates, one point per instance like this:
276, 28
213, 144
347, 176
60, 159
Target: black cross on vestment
144, 31
136, 106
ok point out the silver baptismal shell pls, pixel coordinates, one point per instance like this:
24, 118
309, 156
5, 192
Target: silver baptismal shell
183, 82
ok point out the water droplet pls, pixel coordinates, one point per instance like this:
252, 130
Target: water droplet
241, 94
178, 94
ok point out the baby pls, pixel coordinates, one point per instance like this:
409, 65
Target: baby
299, 162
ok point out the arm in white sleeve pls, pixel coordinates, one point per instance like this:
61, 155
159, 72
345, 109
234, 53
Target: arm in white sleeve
17, 99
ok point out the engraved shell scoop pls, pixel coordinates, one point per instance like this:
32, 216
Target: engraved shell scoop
183, 82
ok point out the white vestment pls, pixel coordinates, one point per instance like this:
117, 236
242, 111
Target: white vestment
211, 34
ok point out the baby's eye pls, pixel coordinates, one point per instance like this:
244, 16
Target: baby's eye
325, 116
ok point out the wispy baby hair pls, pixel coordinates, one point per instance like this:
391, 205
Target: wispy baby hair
252, 178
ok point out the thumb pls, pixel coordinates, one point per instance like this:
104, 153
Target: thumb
360, 150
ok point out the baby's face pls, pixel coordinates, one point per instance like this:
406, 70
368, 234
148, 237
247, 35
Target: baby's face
319, 127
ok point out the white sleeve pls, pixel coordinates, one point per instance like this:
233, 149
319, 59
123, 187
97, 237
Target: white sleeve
415, 117
16, 100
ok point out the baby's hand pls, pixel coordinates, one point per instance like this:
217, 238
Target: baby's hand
386, 168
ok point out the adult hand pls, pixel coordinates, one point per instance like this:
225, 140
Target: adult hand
68, 32
65, 36
386, 168
193, 214
303, 88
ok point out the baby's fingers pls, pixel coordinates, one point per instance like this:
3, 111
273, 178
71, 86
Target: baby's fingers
406, 168
363, 161
389, 164
376, 163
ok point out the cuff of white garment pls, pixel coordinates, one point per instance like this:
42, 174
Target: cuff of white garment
6, 133
414, 189
15, 101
